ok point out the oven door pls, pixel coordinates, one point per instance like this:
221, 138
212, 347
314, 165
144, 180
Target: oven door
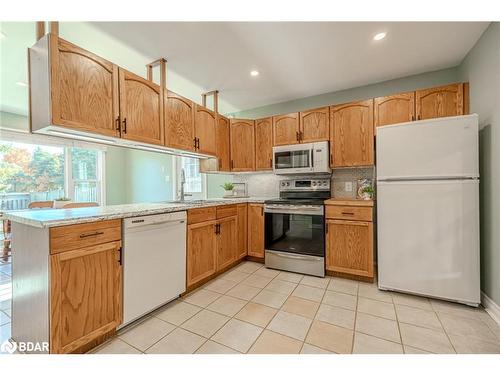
293, 230
292, 159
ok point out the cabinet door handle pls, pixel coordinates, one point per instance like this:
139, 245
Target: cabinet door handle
271, 162
301, 136
194, 143
232, 164
120, 255
262, 211
92, 234
297, 136
117, 124
220, 163
418, 117
347, 213
198, 143
412, 117
125, 125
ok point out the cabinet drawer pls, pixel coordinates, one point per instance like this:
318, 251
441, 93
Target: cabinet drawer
72, 237
226, 211
349, 213
198, 215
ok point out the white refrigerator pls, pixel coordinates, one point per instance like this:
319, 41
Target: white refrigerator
428, 208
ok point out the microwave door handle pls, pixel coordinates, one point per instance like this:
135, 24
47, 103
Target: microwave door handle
312, 158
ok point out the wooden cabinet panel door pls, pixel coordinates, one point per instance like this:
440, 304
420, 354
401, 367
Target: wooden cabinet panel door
201, 251
349, 247
223, 148
84, 89
256, 230
440, 101
242, 145
141, 109
86, 295
242, 211
315, 125
286, 129
394, 109
264, 144
226, 241
352, 138
205, 127
179, 122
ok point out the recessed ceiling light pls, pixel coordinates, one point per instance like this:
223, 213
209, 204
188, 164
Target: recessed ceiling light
254, 73
23, 84
379, 36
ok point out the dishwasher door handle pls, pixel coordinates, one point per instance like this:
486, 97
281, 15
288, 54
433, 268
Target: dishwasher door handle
154, 225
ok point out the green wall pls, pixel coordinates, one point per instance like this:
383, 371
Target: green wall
116, 176
481, 68
410, 83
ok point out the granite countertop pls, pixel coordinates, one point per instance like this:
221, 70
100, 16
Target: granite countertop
57, 217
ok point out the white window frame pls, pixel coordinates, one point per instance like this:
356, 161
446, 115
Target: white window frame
177, 182
66, 144
69, 181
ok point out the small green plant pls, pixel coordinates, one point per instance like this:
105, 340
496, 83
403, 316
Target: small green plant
368, 190
228, 186
62, 199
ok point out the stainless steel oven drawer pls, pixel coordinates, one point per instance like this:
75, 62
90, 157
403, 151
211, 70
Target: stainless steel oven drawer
306, 264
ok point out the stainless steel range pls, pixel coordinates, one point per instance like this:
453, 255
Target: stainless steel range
295, 227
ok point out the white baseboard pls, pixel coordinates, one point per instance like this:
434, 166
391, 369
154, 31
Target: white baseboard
491, 307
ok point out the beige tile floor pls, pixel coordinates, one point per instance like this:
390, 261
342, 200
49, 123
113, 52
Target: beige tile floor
251, 309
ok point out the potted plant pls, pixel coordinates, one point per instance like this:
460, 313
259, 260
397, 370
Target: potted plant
367, 192
61, 202
228, 189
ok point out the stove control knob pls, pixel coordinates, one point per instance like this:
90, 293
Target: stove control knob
287, 184
314, 183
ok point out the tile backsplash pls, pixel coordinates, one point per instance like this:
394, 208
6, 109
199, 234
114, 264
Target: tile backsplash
345, 181
265, 185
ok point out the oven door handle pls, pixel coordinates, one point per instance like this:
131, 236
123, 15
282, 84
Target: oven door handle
295, 210
300, 257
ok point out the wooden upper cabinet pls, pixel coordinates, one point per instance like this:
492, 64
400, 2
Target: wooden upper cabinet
286, 129
84, 89
179, 122
226, 241
242, 145
441, 101
201, 251
394, 109
86, 295
352, 139
264, 144
141, 109
256, 230
349, 247
315, 125
205, 124
223, 144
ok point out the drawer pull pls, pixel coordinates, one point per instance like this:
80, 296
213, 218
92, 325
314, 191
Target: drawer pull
85, 235
347, 213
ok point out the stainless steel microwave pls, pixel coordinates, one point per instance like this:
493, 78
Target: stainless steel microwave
302, 158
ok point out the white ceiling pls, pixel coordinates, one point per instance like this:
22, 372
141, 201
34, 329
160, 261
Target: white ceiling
296, 59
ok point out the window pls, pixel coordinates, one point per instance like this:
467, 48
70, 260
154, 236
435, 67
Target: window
39, 172
195, 185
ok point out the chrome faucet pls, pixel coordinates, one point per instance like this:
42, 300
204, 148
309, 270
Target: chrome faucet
182, 194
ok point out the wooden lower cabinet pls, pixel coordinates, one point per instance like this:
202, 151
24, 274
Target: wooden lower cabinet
256, 230
226, 242
201, 251
241, 250
85, 295
349, 247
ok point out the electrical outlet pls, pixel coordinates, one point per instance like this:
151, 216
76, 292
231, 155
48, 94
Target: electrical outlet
348, 186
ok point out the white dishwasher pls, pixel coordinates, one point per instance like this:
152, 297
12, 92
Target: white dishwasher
154, 262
